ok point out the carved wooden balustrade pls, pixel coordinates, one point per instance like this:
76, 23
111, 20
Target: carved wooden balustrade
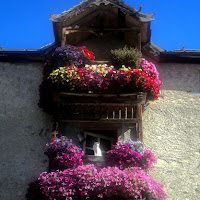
109, 108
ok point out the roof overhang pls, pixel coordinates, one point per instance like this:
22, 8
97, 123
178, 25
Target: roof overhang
125, 8
27, 54
178, 56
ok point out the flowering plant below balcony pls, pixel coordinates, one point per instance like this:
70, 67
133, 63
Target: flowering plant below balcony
63, 154
89, 182
119, 180
130, 154
106, 79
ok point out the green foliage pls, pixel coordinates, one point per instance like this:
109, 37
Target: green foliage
130, 57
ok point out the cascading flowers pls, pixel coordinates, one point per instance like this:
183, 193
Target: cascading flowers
130, 154
126, 175
73, 54
62, 56
106, 79
64, 154
88, 182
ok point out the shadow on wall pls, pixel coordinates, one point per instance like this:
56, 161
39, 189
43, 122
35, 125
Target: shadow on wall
179, 76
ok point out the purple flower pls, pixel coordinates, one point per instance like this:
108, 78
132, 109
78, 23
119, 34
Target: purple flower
63, 154
88, 182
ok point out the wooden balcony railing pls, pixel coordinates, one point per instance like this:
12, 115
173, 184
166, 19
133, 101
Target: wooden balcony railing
100, 107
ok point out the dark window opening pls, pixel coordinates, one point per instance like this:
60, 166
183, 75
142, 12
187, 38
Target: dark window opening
106, 138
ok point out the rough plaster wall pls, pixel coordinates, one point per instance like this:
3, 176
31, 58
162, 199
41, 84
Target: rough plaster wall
24, 129
171, 128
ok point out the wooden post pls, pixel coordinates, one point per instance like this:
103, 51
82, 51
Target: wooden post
140, 124
63, 40
126, 112
113, 112
107, 108
139, 41
120, 113
132, 111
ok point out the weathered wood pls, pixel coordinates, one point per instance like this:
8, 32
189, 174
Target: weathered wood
126, 112
140, 124
138, 121
132, 112
88, 29
107, 110
113, 112
99, 125
102, 120
113, 99
101, 104
63, 40
86, 18
91, 15
137, 130
120, 114
139, 94
139, 41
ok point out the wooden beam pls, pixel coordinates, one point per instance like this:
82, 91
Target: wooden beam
92, 14
89, 29
68, 94
110, 121
103, 104
99, 99
100, 126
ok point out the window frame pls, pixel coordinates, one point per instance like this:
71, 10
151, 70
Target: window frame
99, 136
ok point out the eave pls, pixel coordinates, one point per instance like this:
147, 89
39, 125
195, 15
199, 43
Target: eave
27, 54
125, 8
177, 56
180, 57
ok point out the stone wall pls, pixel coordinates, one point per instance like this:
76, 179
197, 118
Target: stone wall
24, 128
171, 128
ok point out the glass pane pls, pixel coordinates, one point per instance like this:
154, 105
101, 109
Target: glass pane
90, 140
105, 145
89, 152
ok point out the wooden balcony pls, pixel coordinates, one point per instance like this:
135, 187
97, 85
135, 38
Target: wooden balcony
100, 109
111, 108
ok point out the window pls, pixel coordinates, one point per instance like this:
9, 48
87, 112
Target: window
106, 142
